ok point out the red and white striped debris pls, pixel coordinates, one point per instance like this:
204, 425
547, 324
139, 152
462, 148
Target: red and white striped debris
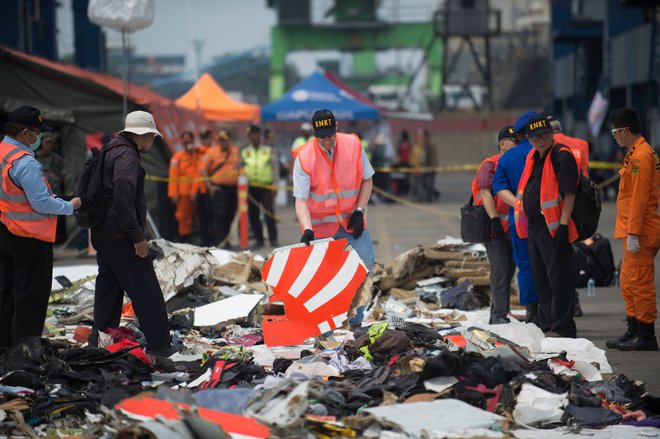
316, 284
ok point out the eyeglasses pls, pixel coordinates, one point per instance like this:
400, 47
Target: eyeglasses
617, 129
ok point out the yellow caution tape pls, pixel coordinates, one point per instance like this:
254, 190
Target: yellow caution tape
406, 170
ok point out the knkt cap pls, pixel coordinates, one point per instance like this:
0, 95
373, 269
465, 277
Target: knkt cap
324, 123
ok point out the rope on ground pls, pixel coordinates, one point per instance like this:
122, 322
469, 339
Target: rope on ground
609, 181
418, 206
265, 211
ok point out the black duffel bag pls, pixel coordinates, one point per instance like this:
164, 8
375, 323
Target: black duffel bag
475, 222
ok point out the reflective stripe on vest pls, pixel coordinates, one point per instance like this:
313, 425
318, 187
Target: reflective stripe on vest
257, 164
501, 207
551, 201
16, 213
334, 185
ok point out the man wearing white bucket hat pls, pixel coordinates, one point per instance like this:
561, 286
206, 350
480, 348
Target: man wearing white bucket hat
122, 249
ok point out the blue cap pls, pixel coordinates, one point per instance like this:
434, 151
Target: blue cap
521, 123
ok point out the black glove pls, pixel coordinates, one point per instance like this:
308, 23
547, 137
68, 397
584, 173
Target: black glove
307, 237
561, 238
356, 223
496, 228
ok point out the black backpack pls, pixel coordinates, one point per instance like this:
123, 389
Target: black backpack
586, 211
96, 200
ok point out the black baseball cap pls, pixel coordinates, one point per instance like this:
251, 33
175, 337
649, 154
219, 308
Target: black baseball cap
538, 125
253, 128
507, 133
28, 116
324, 123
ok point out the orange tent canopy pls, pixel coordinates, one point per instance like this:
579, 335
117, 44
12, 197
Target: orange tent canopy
216, 104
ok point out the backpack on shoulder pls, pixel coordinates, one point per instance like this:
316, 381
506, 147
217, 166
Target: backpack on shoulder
96, 200
586, 211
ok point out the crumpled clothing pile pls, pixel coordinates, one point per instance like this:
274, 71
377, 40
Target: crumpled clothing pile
425, 363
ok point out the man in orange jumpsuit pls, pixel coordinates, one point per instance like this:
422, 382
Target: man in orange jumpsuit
184, 170
638, 221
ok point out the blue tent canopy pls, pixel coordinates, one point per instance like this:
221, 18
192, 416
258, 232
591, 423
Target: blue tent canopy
315, 93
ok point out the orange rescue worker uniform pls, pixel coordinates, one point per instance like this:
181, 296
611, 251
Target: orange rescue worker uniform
336, 184
221, 168
502, 207
637, 214
184, 171
579, 148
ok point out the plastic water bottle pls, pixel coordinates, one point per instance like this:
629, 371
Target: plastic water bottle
591, 287
615, 278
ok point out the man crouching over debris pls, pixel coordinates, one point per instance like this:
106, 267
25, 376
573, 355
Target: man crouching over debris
122, 249
332, 182
498, 245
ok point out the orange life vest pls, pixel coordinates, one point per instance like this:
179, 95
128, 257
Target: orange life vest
579, 148
551, 201
501, 206
334, 185
16, 213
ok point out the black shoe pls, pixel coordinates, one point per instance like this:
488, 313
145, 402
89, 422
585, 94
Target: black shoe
633, 327
532, 313
274, 244
644, 340
499, 320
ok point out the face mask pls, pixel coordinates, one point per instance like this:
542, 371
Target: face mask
35, 146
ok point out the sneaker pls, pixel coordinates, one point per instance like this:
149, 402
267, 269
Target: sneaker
499, 320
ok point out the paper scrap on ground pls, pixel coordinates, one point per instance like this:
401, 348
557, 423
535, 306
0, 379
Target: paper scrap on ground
73, 273
233, 308
442, 414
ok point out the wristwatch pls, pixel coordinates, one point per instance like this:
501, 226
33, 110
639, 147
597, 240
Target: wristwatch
360, 209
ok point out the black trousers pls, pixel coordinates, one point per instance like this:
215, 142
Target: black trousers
205, 218
502, 268
26, 274
225, 201
554, 279
263, 196
121, 270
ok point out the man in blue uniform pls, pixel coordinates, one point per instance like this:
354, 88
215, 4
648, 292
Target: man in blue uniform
505, 184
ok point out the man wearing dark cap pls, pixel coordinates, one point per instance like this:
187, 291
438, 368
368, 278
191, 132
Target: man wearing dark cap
505, 184
544, 204
260, 166
28, 222
498, 245
332, 182
579, 147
